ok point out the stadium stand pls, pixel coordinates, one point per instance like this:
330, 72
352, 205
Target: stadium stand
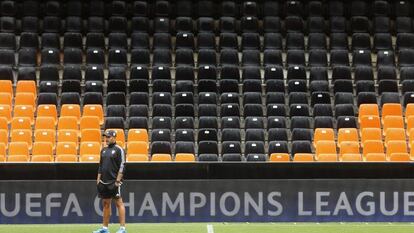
248, 82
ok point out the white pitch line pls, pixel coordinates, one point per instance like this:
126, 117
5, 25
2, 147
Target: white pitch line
210, 228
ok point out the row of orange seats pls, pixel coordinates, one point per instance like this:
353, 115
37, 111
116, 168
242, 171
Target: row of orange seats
334, 157
391, 116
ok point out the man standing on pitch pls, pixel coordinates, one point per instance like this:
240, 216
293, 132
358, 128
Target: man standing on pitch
109, 181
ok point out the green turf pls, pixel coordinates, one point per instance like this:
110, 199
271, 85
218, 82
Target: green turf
220, 228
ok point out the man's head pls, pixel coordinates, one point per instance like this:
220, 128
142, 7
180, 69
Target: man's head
110, 137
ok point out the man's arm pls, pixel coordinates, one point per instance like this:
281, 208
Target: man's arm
120, 174
98, 178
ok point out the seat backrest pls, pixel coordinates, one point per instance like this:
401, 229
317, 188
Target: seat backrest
72, 110
371, 134
369, 122
21, 123
22, 135
89, 122
42, 148
25, 98
68, 122
94, 110
5, 111
47, 110
161, 158
24, 111
351, 157
19, 148
347, 134
391, 109
328, 158
137, 147
27, 86
375, 157
372, 146
279, 157
45, 135
399, 157
323, 134
184, 157
325, 147
44, 123
138, 135
66, 148
91, 135
303, 157
368, 110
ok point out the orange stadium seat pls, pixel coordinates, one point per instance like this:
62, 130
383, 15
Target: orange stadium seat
410, 123
370, 134
161, 158
399, 157
120, 137
94, 110
68, 123
409, 110
68, 136
351, 158
396, 147
325, 147
395, 134
183, 157
25, 98
136, 147
24, 111
3, 153
19, 149
391, 109
21, 123
91, 135
370, 122
6, 86
17, 159
328, 158
89, 122
323, 134
44, 123
45, 110
42, 152
411, 136
347, 134
72, 110
393, 122
303, 157
66, 148
90, 152
375, 157
22, 135
368, 110
138, 158
372, 146
3, 123
26, 86
6, 99
137, 135
279, 157
5, 111
66, 158
46, 135
4, 137
349, 147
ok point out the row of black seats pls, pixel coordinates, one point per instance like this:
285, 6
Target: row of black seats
207, 74
206, 8
298, 90
294, 40
277, 126
206, 57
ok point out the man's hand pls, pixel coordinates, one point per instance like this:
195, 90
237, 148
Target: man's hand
118, 183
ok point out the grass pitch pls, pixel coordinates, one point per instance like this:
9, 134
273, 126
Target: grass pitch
220, 228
